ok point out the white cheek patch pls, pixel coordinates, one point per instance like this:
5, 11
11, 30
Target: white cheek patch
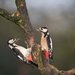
44, 30
11, 41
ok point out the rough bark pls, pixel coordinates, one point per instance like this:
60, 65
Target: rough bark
21, 19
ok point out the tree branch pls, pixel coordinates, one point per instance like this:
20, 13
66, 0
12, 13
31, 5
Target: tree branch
21, 18
7, 15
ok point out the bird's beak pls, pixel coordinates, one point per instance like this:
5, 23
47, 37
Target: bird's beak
18, 39
37, 29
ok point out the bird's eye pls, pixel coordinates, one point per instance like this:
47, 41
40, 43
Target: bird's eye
41, 28
14, 39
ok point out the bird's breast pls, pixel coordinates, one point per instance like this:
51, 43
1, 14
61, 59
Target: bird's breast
44, 43
23, 50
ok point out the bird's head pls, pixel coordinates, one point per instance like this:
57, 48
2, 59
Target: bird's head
43, 29
12, 40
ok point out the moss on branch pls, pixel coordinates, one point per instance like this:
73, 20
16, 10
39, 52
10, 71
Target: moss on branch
7, 15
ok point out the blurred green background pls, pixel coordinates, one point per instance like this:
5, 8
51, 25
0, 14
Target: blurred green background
58, 16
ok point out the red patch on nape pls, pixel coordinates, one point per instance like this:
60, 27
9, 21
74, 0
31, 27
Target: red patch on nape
29, 58
46, 54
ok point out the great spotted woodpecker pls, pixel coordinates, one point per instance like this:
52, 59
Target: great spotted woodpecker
20, 52
46, 43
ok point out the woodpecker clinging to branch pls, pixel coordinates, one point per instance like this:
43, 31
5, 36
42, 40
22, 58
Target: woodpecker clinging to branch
21, 52
46, 43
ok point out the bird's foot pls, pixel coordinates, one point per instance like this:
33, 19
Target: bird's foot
24, 59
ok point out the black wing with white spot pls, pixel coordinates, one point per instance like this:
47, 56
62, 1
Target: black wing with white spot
50, 48
48, 42
19, 54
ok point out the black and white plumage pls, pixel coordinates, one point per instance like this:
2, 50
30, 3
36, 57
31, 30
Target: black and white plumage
46, 43
20, 52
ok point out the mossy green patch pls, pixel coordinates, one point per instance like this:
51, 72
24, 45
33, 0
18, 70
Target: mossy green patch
39, 59
12, 15
20, 21
21, 26
1, 12
21, 2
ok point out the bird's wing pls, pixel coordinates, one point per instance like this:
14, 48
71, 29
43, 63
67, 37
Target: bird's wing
18, 54
23, 50
48, 42
50, 49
